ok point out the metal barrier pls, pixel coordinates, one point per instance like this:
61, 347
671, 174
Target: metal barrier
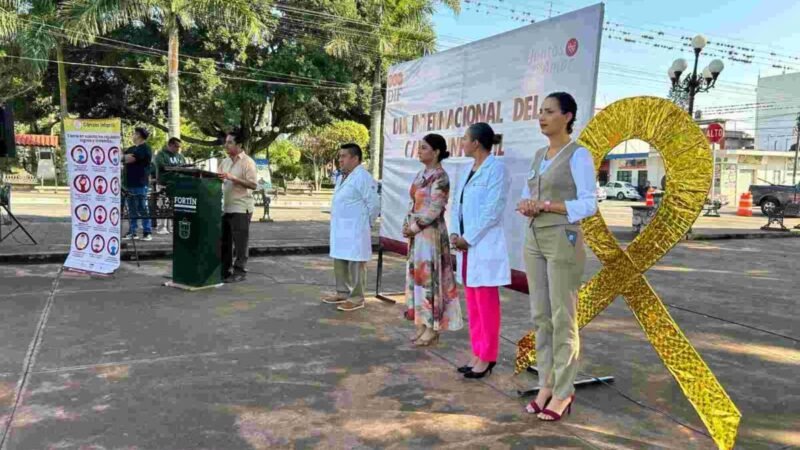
159, 205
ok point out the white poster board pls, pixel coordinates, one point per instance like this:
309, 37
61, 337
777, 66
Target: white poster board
501, 80
94, 162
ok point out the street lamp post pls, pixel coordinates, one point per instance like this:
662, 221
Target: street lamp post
694, 84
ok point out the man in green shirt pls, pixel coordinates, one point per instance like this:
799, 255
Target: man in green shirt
169, 157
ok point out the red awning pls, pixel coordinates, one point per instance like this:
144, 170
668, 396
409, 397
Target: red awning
36, 140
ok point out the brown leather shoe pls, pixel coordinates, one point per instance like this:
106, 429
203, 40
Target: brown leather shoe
334, 299
348, 306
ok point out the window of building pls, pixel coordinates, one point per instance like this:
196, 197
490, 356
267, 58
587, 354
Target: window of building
624, 175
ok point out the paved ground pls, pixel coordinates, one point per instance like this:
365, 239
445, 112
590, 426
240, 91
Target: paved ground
308, 227
125, 363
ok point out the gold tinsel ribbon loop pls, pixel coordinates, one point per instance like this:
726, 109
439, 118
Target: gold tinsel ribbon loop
688, 164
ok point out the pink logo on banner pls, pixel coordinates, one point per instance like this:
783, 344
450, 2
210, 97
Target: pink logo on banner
98, 156
113, 246
113, 155
79, 154
100, 215
114, 216
100, 184
98, 243
572, 47
115, 186
83, 212
82, 183
81, 241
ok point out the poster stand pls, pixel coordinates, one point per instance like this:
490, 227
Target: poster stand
587, 382
5, 194
384, 297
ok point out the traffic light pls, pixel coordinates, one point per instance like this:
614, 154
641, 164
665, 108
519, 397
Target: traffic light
8, 148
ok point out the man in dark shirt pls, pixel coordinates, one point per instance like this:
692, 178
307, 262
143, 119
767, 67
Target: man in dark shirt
169, 157
137, 177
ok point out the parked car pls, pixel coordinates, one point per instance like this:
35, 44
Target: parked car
622, 190
772, 196
601, 193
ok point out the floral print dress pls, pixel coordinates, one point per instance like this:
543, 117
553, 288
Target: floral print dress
431, 293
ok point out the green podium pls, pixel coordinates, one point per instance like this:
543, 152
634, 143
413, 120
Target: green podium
197, 228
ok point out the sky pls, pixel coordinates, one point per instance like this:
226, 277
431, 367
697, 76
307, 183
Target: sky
627, 69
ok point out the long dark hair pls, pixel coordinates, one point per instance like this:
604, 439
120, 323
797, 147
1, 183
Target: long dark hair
437, 142
482, 133
567, 104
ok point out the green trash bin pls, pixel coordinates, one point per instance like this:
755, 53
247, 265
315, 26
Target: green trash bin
197, 229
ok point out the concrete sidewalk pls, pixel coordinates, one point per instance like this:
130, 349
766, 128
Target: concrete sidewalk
305, 231
123, 363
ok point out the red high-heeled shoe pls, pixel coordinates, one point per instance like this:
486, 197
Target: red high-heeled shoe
556, 416
535, 407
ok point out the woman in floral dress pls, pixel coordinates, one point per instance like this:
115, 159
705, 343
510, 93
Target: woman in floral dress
431, 293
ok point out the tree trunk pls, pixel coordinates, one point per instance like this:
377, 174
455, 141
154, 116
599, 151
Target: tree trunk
62, 97
174, 106
316, 165
376, 117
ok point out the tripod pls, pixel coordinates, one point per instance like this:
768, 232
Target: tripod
5, 203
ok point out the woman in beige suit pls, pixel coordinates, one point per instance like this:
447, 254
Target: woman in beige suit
560, 193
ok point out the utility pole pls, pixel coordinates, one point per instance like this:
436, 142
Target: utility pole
796, 151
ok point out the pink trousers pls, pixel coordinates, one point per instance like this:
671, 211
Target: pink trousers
483, 307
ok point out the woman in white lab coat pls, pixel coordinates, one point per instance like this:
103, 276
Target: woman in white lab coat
483, 265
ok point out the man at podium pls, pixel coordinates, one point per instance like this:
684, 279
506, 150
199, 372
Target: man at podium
239, 176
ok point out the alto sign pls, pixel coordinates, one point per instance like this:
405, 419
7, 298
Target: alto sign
715, 133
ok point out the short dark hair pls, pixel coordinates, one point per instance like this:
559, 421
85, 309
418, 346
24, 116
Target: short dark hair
174, 141
142, 132
482, 133
567, 104
353, 149
236, 135
437, 142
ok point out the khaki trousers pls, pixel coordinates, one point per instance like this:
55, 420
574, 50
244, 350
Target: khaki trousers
554, 261
351, 279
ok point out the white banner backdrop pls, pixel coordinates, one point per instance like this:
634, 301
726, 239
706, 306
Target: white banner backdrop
501, 80
94, 161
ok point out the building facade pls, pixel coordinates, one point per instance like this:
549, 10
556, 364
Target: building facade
777, 109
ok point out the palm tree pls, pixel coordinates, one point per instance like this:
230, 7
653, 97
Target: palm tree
399, 30
36, 29
103, 16
8, 18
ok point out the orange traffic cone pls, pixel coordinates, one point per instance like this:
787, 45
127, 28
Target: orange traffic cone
649, 199
745, 205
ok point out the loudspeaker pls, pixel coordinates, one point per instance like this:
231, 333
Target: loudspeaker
8, 148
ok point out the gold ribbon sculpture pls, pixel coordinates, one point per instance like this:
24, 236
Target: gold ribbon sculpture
688, 164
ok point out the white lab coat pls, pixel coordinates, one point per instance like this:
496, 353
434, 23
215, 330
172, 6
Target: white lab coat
354, 208
484, 206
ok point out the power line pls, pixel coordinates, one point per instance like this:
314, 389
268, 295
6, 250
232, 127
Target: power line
628, 37
142, 69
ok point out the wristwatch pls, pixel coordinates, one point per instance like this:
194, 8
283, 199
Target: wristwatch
547, 206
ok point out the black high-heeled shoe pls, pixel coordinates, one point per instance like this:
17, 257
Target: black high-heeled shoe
464, 369
476, 375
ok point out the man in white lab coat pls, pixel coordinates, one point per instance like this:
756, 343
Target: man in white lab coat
354, 209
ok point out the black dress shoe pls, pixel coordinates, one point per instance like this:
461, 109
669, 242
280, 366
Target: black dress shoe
235, 278
476, 375
464, 369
